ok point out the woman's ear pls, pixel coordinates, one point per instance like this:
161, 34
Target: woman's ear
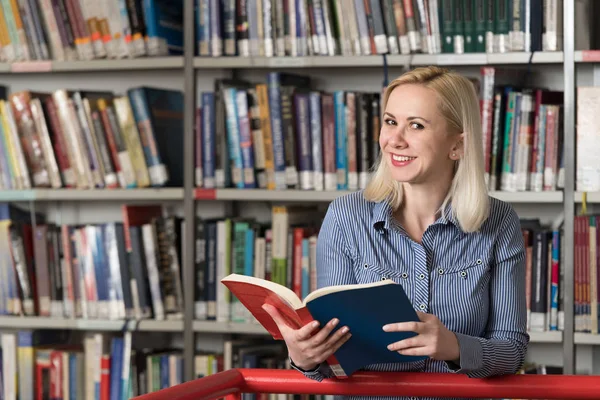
457, 150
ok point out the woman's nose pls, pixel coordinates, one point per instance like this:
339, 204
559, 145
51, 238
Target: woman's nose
397, 139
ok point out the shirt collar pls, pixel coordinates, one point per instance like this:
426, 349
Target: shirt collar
381, 218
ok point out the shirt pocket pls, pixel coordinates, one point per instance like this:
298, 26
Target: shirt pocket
464, 268
368, 269
468, 278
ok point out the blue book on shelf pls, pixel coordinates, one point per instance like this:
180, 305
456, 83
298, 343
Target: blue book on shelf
364, 308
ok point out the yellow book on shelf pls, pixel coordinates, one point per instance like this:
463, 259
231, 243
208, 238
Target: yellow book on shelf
132, 140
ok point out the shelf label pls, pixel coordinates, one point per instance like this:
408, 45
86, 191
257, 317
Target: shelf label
590, 55
205, 194
31, 66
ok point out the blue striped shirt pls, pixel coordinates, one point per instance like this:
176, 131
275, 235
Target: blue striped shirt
473, 282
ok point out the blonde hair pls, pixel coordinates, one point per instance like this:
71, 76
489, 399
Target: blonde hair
458, 103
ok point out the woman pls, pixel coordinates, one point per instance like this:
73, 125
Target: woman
426, 221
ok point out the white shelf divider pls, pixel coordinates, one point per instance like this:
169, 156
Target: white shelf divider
587, 339
592, 197
22, 322
327, 196
229, 327
158, 194
545, 337
377, 60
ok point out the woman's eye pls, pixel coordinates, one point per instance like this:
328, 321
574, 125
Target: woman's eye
415, 125
390, 122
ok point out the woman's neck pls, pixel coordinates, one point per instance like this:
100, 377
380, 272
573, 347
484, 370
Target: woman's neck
420, 207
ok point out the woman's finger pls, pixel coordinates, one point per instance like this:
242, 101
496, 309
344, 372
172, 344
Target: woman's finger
329, 349
410, 326
306, 331
277, 318
332, 340
416, 341
324, 333
415, 351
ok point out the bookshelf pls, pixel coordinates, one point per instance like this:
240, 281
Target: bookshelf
195, 73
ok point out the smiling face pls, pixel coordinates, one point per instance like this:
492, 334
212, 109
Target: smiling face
415, 140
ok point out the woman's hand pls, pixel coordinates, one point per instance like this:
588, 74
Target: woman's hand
433, 339
305, 347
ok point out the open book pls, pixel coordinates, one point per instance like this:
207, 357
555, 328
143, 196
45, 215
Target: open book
364, 308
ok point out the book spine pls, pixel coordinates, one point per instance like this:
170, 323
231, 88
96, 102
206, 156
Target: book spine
141, 113
132, 140
229, 27
275, 110
316, 140
245, 137
208, 140
257, 138
233, 136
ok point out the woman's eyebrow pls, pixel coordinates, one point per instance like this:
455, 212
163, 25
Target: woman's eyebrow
408, 118
415, 117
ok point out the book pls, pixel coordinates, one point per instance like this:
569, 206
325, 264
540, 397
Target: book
364, 308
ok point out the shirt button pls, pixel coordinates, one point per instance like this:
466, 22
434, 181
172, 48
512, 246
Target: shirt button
441, 271
405, 275
366, 266
422, 306
463, 274
383, 278
421, 276
479, 261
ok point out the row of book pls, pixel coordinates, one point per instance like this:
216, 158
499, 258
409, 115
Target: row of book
587, 277
37, 30
543, 276
280, 134
286, 134
55, 365
523, 133
132, 269
69, 30
364, 27
91, 139
113, 271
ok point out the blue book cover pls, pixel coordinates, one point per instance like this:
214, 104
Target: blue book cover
364, 308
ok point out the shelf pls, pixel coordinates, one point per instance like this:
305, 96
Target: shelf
592, 197
229, 327
377, 60
177, 62
129, 64
158, 194
10, 322
587, 338
546, 337
149, 325
587, 56
327, 196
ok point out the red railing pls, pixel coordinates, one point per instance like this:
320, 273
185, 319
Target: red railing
233, 383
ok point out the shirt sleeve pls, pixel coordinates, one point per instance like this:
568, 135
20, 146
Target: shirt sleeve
503, 347
334, 267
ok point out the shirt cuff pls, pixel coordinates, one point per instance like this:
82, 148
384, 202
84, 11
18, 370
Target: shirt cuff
471, 355
318, 373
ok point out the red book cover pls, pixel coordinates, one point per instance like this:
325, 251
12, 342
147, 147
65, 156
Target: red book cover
253, 295
136, 215
56, 375
105, 377
42, 375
